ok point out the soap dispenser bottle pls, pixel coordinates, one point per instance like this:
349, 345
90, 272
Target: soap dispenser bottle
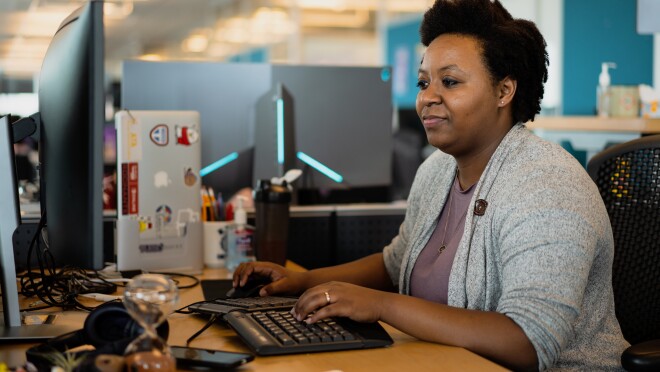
603, 90
240, 242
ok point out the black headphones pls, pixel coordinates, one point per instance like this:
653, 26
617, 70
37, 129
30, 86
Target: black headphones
109, 328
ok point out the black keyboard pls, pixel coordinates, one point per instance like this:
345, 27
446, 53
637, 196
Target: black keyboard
277, 332
223, 306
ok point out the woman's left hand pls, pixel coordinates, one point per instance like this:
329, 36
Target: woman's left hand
339, 299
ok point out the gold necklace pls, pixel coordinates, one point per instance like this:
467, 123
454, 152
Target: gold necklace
444, 234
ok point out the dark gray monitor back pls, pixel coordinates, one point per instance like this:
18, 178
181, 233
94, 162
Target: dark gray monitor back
343, 119
71, 107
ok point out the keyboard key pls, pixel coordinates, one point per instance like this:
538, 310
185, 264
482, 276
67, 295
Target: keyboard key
347, 336
285, 339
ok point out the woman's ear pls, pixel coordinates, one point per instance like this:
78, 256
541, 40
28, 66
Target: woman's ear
507, 89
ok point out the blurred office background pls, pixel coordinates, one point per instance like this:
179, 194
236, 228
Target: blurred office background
581, 34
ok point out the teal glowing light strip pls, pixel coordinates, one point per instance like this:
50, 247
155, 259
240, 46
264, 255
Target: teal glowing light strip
280, 131
218, 164
320, 167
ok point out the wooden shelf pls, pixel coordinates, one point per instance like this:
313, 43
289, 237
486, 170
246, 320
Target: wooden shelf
592, 123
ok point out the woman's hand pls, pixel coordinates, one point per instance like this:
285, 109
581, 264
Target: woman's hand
339, 299
283, 281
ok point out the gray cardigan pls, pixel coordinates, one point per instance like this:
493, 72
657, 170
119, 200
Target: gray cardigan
540, 254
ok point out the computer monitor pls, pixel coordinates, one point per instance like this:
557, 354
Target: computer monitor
70, 130
9, 221
71, 107
343, 131
11, 327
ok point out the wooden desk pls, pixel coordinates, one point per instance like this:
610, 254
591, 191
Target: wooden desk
593, 123
406, 354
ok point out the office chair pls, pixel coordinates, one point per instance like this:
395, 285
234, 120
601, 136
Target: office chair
628, 178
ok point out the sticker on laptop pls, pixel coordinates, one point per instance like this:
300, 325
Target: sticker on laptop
189, 177
164, 214
160, 135
145, 223
129, 188
132, 144
151, 248
186, 135
162, 179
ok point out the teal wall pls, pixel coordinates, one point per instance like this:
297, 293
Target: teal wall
403, 55
597, 31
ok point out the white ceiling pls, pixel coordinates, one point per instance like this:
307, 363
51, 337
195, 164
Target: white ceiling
160, 26
26, 27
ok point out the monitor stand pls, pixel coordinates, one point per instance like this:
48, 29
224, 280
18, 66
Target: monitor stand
12, 328
33, 332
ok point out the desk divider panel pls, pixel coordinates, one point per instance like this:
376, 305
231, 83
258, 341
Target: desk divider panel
319, 236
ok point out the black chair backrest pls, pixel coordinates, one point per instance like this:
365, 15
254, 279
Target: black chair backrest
628, 178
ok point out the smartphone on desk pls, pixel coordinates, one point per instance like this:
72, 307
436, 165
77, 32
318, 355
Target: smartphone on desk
194, 357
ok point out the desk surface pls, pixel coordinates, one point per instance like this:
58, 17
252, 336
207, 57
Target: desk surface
406, 354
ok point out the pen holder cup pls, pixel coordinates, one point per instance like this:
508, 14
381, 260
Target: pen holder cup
215, 243
272, 221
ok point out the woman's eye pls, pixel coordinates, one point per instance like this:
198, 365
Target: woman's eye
449, 82
422, 84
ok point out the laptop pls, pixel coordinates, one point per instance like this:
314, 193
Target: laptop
158, 182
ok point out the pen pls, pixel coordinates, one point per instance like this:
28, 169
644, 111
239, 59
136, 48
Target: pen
220, 207
212, 203
229, 212
207, 212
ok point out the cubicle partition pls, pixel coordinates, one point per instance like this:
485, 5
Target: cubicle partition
328, 235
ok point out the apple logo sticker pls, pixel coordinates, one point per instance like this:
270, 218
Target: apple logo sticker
161, 179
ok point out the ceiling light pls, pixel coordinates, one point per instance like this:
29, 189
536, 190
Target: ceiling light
220, 50
151, 57
336, 5
117, 10
236, 30
195, 43
356, 19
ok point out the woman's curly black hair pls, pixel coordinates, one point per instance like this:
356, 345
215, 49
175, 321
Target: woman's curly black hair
510, 47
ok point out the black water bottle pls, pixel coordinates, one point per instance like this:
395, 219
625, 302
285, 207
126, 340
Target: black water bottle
272, 202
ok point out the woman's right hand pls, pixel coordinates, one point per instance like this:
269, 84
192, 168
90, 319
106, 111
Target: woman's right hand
283, 281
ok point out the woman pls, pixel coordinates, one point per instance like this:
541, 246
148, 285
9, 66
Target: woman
506, 248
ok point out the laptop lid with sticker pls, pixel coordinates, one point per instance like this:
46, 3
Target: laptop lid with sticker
158, 211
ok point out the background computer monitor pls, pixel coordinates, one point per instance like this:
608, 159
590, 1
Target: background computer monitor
343, 131
71, 107
342, 118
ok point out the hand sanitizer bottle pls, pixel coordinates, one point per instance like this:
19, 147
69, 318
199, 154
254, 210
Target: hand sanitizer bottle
603, 90
240, 242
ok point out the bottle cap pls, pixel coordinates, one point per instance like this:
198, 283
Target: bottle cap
240, 216
604, 77
267, 192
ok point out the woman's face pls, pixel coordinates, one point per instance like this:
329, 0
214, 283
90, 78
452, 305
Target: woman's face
457, 100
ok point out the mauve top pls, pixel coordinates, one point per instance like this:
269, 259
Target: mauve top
430, 276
